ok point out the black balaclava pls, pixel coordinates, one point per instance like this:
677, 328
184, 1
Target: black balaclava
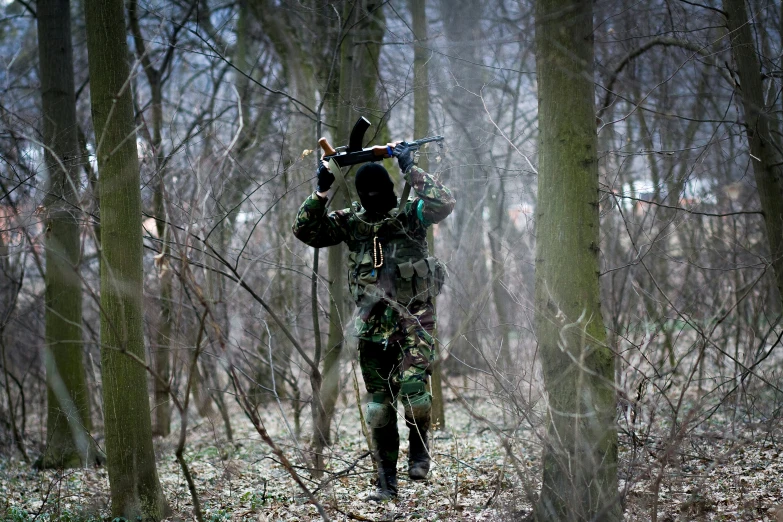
375, 188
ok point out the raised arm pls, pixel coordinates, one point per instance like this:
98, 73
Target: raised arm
317, 228
313, 225
433, 201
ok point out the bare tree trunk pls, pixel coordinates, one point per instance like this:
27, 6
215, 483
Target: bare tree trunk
421, 127
133, 477
357, 83
470, 277
262, 375
296, 58
500, 296
580, 457
765, 153
9, 293
501, 232
335, 262
162, 348
68, 441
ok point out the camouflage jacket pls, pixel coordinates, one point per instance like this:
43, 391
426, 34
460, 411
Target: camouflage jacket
390, 272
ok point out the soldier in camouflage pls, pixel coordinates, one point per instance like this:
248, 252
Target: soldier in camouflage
393, 281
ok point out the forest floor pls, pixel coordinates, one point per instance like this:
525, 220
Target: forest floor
710, 474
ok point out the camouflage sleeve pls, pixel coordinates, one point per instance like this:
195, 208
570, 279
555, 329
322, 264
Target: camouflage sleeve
317, 228
434, 202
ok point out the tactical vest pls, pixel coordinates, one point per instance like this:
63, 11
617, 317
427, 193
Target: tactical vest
389, 260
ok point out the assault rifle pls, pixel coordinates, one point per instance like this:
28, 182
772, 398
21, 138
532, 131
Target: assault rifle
353, 153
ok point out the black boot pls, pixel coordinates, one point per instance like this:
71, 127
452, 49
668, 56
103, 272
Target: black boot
386, 485
387, 447
418, 453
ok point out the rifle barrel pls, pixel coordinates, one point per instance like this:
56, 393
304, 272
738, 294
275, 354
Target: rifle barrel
428, 140
345, 157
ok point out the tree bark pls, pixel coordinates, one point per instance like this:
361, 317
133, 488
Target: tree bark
68, 441
580, 456
133, 477
765, 153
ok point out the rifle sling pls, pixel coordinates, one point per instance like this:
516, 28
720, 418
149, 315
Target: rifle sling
338, 172
406, 192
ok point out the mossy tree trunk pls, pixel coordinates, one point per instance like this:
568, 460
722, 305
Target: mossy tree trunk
133, 477
68, 441
767, 167
580, 457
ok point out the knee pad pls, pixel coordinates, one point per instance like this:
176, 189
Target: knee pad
418, 406
378, 412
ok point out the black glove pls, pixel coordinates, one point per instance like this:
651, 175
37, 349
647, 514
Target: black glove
325, 178
404, 154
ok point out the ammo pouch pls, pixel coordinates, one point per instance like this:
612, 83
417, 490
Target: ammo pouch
363, 279
419, 280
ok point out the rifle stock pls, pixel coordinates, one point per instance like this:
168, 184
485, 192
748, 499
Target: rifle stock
345, 158
326, 147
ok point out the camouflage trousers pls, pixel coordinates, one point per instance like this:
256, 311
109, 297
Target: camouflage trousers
396, 364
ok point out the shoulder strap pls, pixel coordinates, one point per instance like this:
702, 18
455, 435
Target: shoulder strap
338, 172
